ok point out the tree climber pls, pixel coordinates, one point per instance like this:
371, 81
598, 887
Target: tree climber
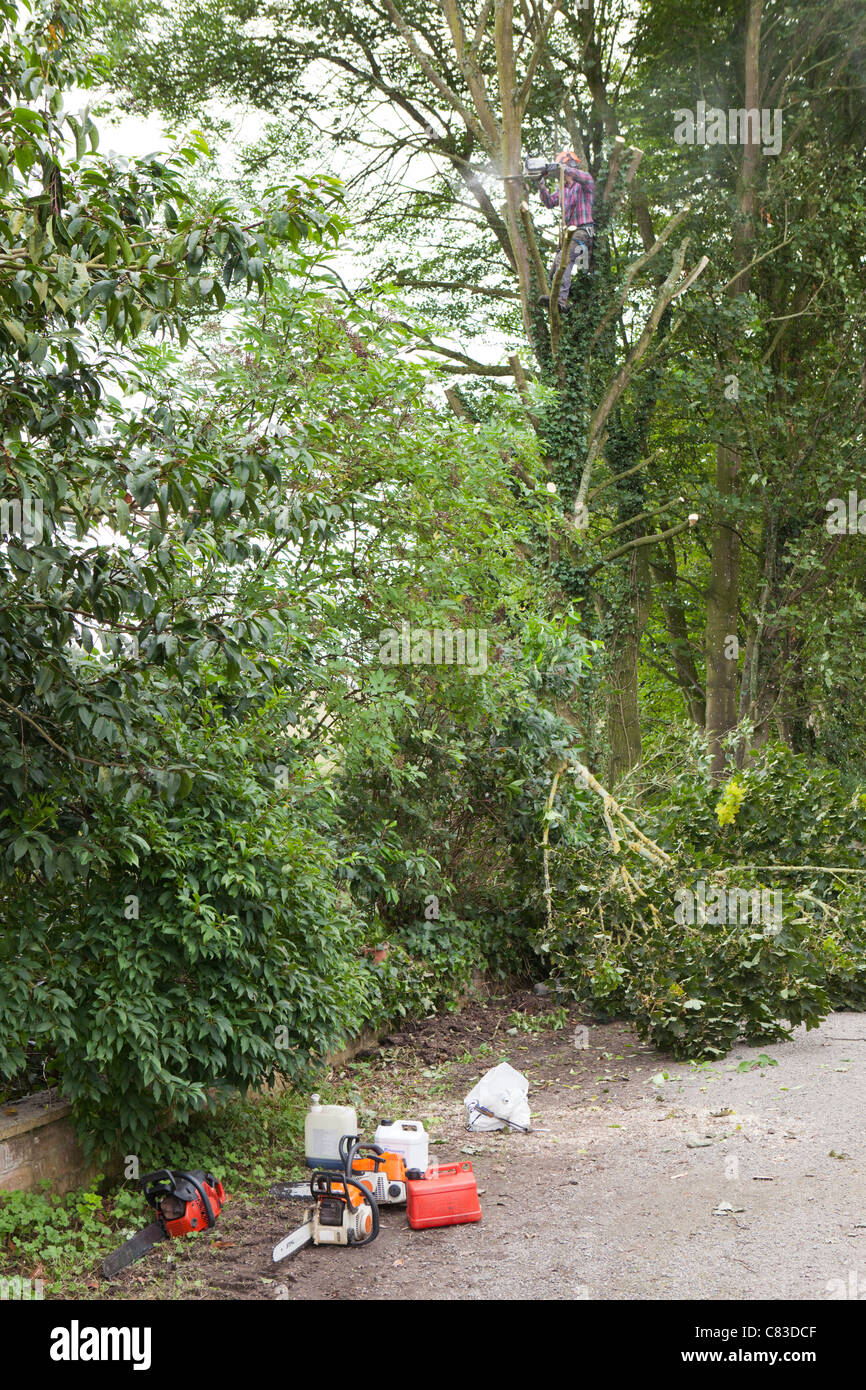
577, 190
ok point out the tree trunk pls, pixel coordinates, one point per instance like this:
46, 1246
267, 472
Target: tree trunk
621, 676
622, 707
681, 650
722, 619
724, 589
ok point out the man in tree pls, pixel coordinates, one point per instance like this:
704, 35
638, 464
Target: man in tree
577, 188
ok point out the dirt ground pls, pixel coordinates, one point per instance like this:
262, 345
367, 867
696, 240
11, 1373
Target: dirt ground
643, 1178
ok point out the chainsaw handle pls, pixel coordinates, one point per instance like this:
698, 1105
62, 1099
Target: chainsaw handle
372, 1204
161, 1179
347, 1145
201, 1189
372, 1150
164, 1183
351, 1146
326, 1182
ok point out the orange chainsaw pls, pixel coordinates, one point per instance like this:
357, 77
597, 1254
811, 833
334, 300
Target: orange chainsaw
343, 1213
383, 1174
183, 1202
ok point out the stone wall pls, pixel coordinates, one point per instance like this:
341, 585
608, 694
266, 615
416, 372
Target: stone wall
38, 1144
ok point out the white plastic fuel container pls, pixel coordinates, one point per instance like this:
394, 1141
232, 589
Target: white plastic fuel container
324, 1127
408, 1138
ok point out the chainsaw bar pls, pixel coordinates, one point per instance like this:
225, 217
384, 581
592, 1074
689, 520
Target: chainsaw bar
133, 1249
290, 1189
296, 1241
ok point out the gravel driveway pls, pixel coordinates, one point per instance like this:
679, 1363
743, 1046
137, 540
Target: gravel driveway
643, 1178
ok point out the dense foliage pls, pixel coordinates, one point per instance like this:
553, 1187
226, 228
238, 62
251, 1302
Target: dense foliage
217, 796
247, 805
757, 922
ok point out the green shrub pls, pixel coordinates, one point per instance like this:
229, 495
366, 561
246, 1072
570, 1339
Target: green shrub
205, 950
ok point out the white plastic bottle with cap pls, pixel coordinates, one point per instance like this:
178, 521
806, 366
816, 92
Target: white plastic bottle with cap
408, 1138
324, 1127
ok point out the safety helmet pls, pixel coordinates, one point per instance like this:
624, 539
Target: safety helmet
567, 157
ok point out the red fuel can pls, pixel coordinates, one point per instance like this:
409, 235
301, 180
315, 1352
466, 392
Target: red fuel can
447, 1195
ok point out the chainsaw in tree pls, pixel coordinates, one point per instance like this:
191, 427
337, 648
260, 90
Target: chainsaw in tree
183, 1202
344, 1212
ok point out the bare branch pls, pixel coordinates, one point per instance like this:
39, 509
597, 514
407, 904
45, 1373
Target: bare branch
636, 157
639, 541
757, 260
472, 368
535, 254
456, 404
666, 294
469, 68
637, 265
615, 477
642, 516
692, 277
430, 72
614, 166
526, 86
520, 381
555, 320
406, 278
468, 365
481, 26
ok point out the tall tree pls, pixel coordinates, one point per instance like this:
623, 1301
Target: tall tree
468, 86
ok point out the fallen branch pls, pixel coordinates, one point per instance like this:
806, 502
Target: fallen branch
611, 811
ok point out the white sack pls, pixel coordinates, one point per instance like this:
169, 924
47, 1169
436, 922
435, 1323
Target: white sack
504, 1091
